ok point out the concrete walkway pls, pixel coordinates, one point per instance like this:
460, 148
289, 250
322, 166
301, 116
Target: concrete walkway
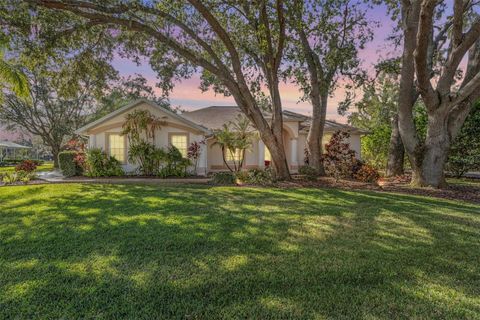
57, 177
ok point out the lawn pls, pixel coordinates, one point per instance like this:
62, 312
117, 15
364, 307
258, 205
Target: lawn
199, 252
47, 166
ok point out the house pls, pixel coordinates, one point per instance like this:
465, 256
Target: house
198, 125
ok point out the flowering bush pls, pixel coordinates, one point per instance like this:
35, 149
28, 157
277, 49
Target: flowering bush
367, 173
26, 165
339, 160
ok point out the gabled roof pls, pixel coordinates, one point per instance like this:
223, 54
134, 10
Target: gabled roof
129, 106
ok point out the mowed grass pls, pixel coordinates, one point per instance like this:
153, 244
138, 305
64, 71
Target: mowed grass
47, 166
199, 252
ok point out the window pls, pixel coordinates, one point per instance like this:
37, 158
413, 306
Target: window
180, 142
116, 146
233, 156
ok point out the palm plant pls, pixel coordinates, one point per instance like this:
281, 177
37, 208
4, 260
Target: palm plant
138, 122
229, 141
11, 75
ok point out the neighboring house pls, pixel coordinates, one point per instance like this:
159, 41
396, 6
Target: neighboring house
181, 130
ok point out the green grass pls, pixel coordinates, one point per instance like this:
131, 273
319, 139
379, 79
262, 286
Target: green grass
47, 166
131, 251
464, 181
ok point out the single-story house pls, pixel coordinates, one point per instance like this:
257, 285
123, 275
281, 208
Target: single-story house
182, 129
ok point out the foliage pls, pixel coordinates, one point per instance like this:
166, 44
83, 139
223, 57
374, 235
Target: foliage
235, 136
464, 154
256, 176
18, 176
375, 113
140, 125
124, 91
367, 173
156, 161
339, 159
175, 165
309, 172
26, 165
224, 178
194, 152
146, 156
66, 160
99, 164
12, 77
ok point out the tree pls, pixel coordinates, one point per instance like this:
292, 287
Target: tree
427, 54
329, 34
62, 93
377, 113
237, 46
11, 76
464, 154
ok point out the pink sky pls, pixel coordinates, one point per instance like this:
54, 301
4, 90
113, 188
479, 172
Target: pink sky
187, 94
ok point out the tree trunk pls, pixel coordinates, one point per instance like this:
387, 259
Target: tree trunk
315, 134
396, 151
277, 152
435, 153
55, 152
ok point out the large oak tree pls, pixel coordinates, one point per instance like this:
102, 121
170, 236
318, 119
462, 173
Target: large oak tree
237, 46
431, 64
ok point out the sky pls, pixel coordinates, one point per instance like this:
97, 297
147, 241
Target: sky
188, 96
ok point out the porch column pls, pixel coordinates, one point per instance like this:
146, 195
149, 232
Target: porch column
92, 141
202, 160
294, 153
261, 154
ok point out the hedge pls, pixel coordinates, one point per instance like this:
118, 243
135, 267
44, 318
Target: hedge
66, 161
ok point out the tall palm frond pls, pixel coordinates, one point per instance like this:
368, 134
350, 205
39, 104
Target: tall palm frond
12, 76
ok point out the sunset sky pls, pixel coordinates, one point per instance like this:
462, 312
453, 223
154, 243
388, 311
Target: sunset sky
187, 94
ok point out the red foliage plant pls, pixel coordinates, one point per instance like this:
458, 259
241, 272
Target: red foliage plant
339, 160
26, 165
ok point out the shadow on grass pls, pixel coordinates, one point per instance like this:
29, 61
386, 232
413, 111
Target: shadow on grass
209, 252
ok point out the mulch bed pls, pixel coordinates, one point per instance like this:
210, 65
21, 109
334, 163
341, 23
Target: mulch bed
400, 184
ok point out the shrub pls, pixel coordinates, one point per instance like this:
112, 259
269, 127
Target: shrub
175, 164
99, 164
339, 160
147, 156
464, 154
367, 173
10, 177
257, 176
22, 176
66, 160
223, 178
26, 165
310, 173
